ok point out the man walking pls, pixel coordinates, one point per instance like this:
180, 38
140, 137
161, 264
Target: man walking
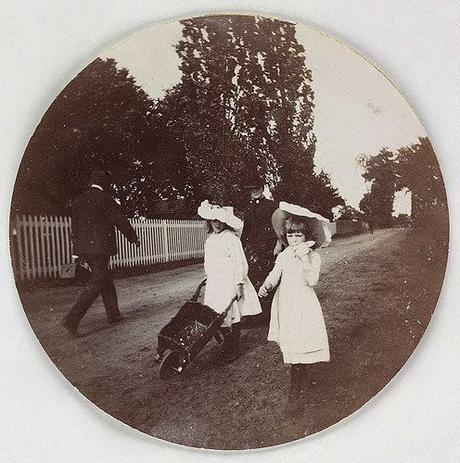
94, 218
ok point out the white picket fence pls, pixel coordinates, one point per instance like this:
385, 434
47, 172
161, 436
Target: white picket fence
40, 245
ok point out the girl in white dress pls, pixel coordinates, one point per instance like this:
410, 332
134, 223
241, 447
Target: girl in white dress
226, 270
297, 322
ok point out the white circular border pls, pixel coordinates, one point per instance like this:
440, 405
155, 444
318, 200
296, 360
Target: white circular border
45, 44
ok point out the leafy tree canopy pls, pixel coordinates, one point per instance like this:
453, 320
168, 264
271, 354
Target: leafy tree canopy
413, 167
243, 110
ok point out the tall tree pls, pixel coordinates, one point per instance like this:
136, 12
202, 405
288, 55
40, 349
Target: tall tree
244, 108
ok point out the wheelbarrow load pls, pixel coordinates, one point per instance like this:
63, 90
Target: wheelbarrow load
188, 332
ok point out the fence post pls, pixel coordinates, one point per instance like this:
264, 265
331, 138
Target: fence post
20, 255
165, 239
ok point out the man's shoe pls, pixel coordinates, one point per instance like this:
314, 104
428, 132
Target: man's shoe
71, 329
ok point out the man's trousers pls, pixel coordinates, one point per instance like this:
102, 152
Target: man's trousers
100, 283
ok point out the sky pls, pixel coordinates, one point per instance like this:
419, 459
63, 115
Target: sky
357, 110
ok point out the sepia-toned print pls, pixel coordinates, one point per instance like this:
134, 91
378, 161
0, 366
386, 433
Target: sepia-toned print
229, 232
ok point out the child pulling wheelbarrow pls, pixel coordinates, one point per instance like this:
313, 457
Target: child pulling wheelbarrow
229, 296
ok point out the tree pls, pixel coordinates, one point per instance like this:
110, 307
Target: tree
413, 167
349, 213
101, 119
315, 193
244, 109
207, 157
418, 171
366, 206
401, 220
380, 171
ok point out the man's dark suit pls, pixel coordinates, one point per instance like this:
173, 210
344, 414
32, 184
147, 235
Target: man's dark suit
259, 241
94, 218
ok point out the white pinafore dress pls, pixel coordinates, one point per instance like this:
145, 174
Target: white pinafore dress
297, 321
226, 266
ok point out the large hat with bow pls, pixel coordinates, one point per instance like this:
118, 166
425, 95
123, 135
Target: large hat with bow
224, 214
320, 230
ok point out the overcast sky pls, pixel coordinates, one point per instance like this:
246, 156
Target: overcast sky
357, 110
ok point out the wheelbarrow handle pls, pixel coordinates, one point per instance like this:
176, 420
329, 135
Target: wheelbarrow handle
229, 306
196, 295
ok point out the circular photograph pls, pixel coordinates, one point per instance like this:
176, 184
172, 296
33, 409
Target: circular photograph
229, 232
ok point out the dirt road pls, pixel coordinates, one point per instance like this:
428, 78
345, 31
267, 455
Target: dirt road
150, 300
239, 405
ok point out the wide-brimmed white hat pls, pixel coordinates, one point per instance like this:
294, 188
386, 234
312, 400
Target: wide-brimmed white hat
224, 214
321, 232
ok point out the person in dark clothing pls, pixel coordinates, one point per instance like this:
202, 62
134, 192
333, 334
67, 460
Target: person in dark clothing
259, 242
94, 218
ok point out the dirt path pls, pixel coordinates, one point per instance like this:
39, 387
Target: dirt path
235, 406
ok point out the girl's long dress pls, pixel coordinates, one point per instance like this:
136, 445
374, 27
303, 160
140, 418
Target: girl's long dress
297, 322
226, 266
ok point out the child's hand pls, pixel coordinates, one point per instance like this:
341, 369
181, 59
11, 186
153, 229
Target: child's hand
302, 250
239, 292
263, 291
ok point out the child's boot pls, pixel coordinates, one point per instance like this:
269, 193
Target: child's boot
296, 400
234, 346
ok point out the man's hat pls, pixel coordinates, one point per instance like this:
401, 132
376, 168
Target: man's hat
100, 177
254, 184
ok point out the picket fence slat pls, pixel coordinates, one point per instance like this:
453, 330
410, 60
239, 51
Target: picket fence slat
19, 267
41, 245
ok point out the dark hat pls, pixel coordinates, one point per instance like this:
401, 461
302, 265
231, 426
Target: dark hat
100, 177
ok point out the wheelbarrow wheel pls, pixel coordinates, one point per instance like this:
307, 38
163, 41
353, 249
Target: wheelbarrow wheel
170, 364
